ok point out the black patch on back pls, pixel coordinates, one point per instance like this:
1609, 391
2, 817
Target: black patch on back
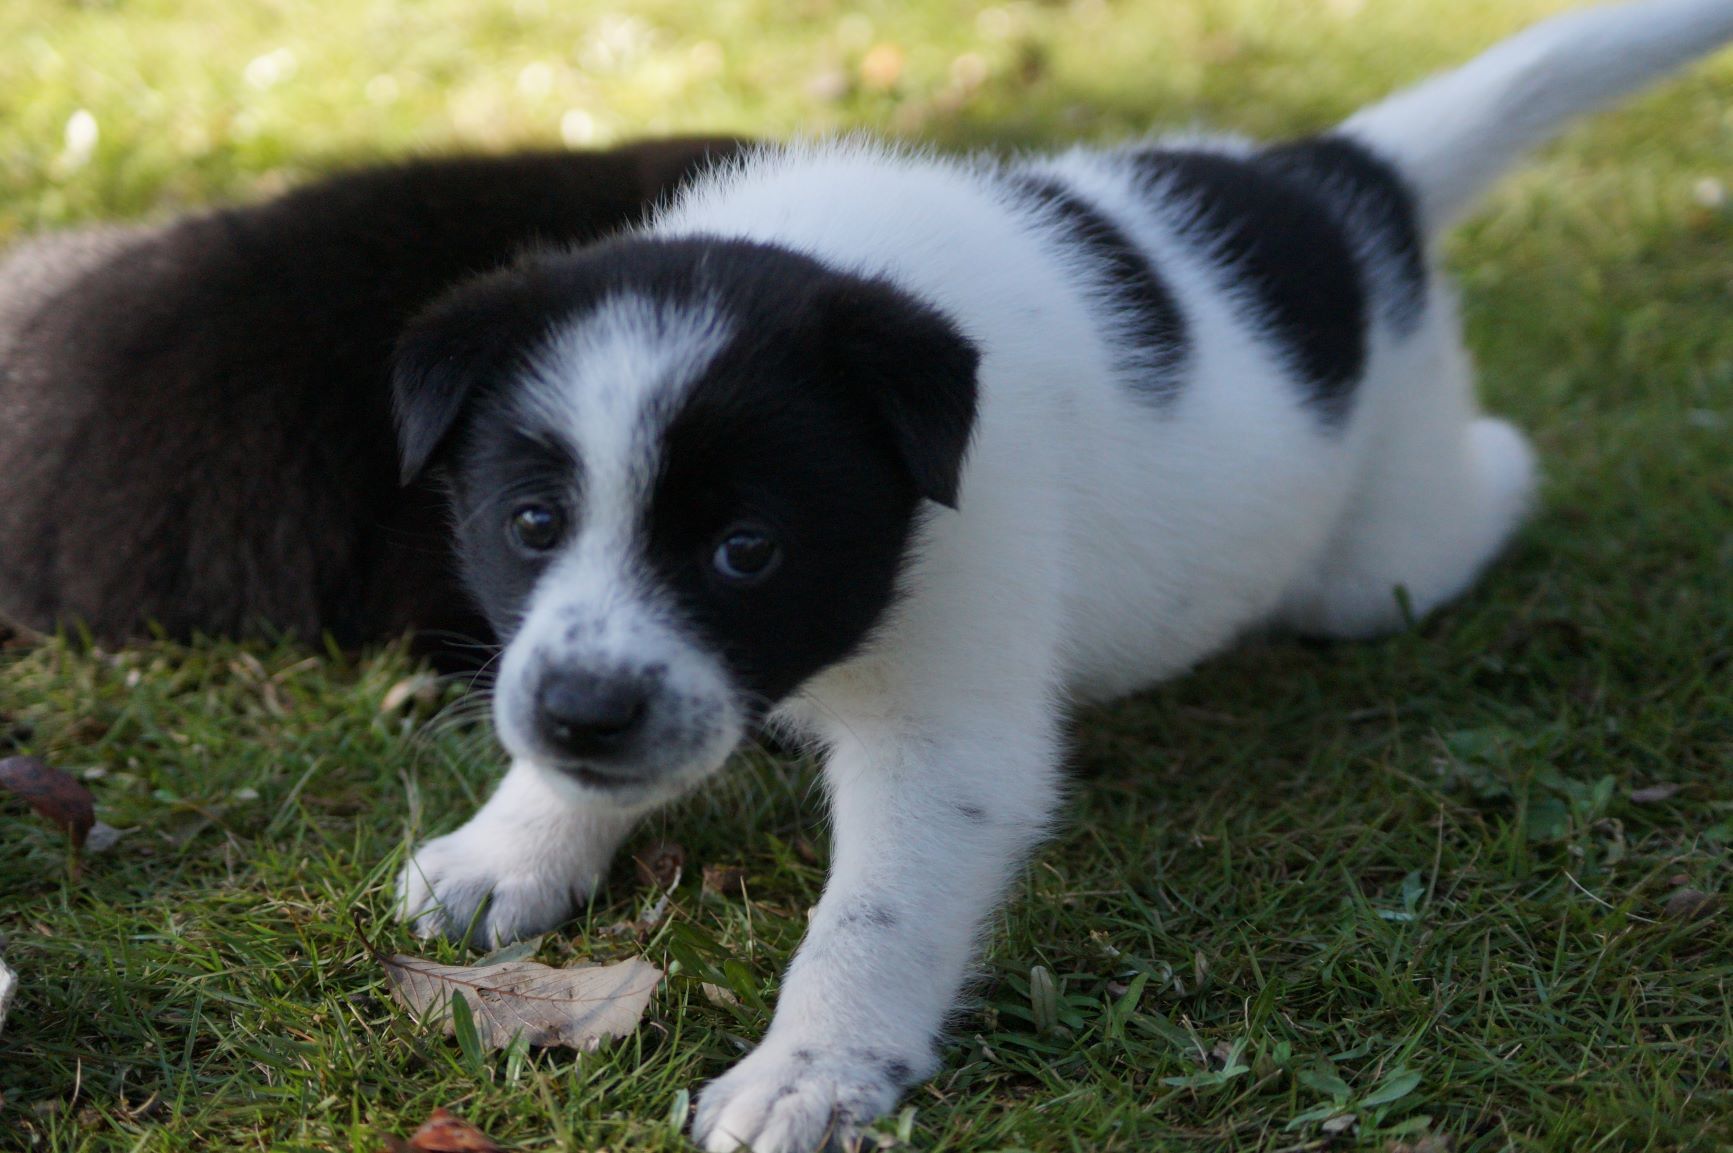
1154, 326
1288, 250
1378, 210
1316, 229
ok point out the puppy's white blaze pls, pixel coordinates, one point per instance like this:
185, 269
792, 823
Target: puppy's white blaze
606, 385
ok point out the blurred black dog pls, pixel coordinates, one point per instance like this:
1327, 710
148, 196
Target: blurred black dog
195, 417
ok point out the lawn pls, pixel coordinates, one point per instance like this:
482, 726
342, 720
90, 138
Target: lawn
1439, 882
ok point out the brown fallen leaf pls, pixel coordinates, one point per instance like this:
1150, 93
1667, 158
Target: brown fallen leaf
1425, 1143
53, 794
720, 997
1654, 793
1340, 1124
659, 863
445, 1132
725, 880
578, 1008
103, 837
1688, 904
421, 690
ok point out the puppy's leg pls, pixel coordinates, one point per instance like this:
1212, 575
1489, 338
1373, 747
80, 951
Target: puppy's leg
928, 828
1443, 491
521, 865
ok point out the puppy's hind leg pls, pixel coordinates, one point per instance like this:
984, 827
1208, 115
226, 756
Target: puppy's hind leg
1442, 492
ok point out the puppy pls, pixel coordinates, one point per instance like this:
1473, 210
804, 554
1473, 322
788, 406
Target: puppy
902, 454
195, 417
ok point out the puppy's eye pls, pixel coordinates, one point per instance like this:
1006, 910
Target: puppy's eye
536, 527
745, 555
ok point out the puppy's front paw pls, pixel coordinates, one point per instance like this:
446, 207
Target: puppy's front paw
797, 1100
492, 887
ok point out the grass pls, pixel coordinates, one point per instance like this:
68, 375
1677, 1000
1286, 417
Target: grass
1407, 880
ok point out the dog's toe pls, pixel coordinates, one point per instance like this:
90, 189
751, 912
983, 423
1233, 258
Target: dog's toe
452, 889
795, 1101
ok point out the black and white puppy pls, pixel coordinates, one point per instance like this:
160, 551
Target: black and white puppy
903, 454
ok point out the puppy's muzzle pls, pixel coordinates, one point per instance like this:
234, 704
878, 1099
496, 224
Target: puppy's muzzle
595, 718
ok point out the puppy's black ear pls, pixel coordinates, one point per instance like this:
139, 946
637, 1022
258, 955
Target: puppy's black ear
462, 343
429, 384
914, 365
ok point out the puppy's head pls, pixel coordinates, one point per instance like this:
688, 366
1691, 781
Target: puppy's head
684, 476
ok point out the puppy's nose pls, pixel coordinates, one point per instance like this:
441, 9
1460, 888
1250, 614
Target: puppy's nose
588, 715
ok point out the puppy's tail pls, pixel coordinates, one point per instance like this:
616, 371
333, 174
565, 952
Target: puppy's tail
1452, 135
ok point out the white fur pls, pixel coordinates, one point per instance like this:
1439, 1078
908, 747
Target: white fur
1100, 545
518, 866
1455, 133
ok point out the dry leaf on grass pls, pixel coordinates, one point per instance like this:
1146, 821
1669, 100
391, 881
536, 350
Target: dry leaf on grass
659, 864
1340, 1125
103, 837
1654, 793
720, 997
422, 690
1425, 1143
1688, 904
445, 1132
725, 880
578, 1008
53, 794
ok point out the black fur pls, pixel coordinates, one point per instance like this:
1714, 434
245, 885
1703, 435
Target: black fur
841, 404
505, 470
872, 913
835, 407
1156, 327
1369, 200
1288, 248
898, 1073
195, 427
